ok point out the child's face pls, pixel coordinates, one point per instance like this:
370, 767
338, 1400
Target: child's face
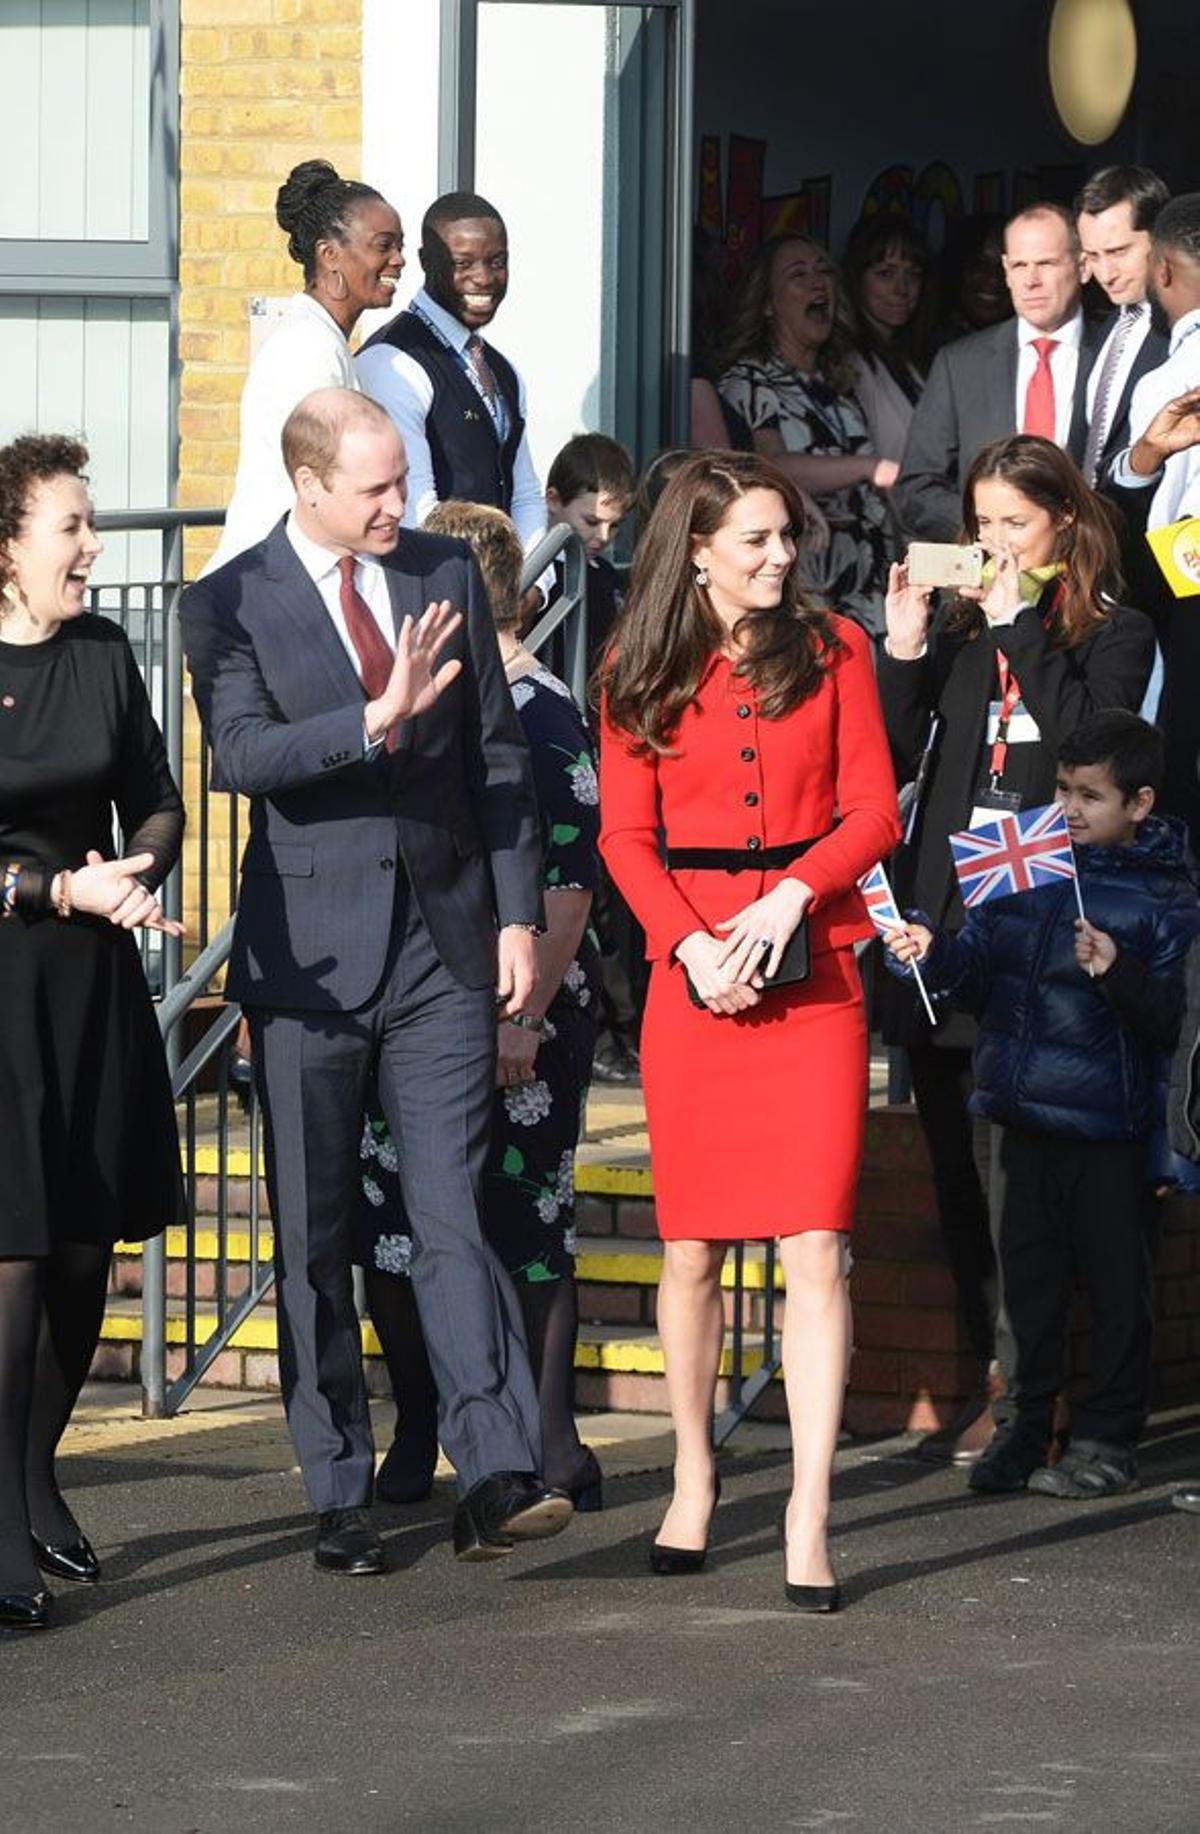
1097, 813
594, 516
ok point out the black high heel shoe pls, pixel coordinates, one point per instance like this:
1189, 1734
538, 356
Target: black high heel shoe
75, 1561
673, 1562
25, 1610
822, 1599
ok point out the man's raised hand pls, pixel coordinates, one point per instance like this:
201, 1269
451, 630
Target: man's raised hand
414, 684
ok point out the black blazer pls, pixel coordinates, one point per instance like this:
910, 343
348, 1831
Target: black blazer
454, 805
969, 399
956, 678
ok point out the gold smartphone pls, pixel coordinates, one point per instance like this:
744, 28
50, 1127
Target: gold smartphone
944, 563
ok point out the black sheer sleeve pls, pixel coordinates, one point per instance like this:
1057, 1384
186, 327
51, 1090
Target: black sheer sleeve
149, 807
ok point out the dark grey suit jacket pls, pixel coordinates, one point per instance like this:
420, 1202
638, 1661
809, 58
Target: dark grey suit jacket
282, 707
969, 400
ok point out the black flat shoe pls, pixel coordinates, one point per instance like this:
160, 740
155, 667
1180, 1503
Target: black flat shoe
508, 1507
814, 1598
25, 1610
347, 1543
586, 1487
674, 1562
76, 1561
406, 1476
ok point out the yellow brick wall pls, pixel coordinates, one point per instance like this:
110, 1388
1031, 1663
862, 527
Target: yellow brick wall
264, 84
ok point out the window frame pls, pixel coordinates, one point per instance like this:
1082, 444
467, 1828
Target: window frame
140, 269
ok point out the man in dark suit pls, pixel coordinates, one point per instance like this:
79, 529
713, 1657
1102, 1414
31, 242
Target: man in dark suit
1027, 375
390, 895
1116, 212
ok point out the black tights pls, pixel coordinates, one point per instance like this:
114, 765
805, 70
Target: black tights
51, 1311
550, 1313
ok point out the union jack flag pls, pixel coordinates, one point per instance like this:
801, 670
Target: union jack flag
1014, 853
880, 900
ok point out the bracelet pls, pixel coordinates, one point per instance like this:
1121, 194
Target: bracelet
534, 929
8, 893
528, 1022
62, 902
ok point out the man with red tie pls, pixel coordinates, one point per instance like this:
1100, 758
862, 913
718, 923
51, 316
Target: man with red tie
348, 680
1026, 375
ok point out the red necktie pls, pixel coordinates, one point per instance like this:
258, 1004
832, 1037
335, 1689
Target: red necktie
1039, 399
375, 656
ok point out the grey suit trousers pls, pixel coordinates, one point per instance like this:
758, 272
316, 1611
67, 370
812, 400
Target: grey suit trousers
432, 1045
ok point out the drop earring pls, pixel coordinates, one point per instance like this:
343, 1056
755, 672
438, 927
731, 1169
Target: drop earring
701, 576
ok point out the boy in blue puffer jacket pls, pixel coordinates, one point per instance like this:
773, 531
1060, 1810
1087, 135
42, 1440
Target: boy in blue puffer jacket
1077, 1019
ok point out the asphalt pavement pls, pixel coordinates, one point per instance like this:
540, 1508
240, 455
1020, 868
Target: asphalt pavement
998, 1664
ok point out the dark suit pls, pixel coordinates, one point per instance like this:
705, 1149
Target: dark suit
365, 942
968, 400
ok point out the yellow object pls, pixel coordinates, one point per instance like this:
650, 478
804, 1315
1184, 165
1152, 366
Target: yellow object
1091, 55
1176, 548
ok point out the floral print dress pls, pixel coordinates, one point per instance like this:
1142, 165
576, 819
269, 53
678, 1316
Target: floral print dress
528, 1209
810, 416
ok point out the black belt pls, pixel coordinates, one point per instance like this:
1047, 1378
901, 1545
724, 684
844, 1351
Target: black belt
738, 859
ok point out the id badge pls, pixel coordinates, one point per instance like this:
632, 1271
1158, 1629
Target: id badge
1020, 729
990, 802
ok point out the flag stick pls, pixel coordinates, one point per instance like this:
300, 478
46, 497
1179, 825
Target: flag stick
924, 995
1083, 914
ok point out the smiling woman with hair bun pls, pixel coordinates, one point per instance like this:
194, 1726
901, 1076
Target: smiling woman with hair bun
349, 244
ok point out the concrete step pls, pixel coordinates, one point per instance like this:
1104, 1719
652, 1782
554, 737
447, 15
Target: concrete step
618, 1367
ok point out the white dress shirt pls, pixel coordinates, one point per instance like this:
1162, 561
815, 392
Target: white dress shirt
1134, 339
305, 351
1176, 485
397, 381
369, 578
1064, 367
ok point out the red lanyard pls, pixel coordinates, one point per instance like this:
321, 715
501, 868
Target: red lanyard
1010, 695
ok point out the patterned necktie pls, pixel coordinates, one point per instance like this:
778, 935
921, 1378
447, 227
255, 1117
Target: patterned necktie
482, 368
1102, 405
374, 653
1039, 398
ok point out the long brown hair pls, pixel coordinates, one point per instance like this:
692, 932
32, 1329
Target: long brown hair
667, 630
750, 333
1087, 541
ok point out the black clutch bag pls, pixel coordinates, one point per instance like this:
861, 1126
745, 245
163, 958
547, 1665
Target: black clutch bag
795, 965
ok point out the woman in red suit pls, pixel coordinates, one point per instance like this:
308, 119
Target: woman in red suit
745, 784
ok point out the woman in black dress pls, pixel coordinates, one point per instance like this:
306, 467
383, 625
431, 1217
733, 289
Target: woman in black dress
89, 1152
544, 1065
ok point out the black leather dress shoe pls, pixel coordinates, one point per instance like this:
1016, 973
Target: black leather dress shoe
25, 1610
347, 1542
77, 1560
508, 1507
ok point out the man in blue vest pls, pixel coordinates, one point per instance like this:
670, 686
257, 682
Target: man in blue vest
457, 403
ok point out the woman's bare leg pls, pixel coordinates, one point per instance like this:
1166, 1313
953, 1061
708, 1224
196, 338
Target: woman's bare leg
816, 1351
691, 1324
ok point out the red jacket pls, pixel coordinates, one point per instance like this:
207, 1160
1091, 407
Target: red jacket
735, 779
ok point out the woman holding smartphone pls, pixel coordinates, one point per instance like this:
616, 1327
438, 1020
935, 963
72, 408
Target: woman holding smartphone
976, 693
